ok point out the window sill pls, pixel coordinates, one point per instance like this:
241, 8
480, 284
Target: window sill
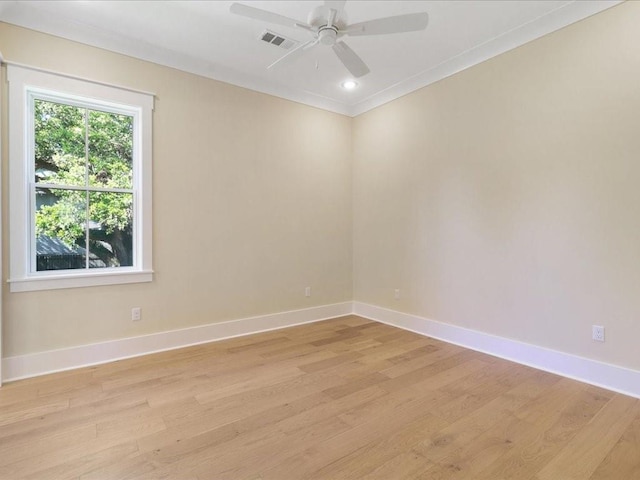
73, 280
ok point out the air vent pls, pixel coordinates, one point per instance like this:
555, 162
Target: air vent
277, 40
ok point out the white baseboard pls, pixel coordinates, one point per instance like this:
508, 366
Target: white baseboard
611, 377
31, 365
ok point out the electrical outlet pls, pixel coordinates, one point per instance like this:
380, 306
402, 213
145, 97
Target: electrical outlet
597, 333
307, 292
396, 294
136, 314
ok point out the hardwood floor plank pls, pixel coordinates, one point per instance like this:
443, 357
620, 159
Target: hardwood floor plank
418, 352
46, 423
299, 419
428, 371
405, 466
579, 458
379, 451
440, 353
12, 450
238, 461
355, 385
476, 389
473, 457
256, 378
470, 425
623, 461
29, 409
332, 361
63, 454
130, 468
514, 448
572, 420
99, 460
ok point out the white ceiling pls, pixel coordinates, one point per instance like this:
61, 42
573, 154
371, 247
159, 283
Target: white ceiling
203, 37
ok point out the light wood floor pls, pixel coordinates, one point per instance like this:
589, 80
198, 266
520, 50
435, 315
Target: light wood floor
345, 398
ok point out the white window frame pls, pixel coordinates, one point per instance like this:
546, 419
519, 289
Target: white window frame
27, 84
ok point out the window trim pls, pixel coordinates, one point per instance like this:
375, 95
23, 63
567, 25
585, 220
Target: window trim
24, 84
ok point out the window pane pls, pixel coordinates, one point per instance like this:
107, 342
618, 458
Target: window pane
110, 150
110, 229
59, 143
60, 229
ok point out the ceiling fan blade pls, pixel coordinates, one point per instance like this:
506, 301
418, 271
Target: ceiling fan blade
332, 17
337, 5
410, 22
264, 15
350, 59
295, 53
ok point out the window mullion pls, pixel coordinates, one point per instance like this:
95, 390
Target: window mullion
86, 183
91, 189
31, 261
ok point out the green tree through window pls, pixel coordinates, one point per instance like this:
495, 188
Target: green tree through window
83, 187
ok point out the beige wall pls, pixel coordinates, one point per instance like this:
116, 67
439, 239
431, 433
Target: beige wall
506, 198
252, 203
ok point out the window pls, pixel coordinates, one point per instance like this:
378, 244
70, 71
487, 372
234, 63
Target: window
80, 174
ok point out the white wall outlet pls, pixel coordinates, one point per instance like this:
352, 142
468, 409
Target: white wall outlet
396, 294
597, 333
136, 314
307, 292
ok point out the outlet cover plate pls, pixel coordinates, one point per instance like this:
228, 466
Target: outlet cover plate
597, 333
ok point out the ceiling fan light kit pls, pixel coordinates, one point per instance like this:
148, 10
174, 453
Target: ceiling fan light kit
327, 24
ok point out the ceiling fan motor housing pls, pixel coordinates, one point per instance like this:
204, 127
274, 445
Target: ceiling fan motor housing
327, 35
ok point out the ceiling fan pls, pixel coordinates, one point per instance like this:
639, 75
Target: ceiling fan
327, 25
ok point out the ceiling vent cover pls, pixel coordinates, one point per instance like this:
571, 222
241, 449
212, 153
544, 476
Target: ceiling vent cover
277, 40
